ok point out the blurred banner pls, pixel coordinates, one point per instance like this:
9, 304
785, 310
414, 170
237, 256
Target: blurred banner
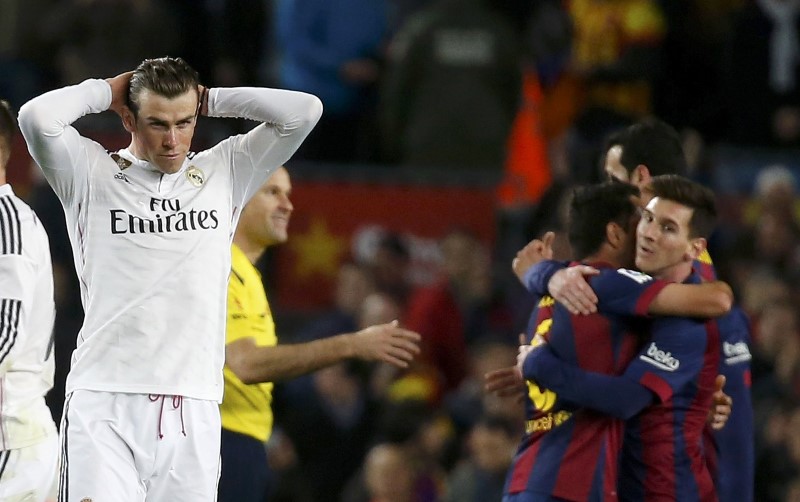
334, 222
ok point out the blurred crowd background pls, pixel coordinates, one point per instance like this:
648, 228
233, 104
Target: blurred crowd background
452, 128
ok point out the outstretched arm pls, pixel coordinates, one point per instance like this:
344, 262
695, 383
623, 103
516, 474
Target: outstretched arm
384, 342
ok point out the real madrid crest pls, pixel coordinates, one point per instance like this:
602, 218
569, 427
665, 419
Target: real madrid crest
195, 176
121, 162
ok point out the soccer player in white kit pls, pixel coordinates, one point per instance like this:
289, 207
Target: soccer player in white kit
151, 228
28, 436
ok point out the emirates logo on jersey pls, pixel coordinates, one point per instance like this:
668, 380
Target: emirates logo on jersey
195, 176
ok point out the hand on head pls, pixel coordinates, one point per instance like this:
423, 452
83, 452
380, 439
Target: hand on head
119, 92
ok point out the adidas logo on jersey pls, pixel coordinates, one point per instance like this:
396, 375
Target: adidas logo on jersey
660, 359
735, 352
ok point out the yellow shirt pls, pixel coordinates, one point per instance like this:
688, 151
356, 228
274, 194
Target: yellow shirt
246, 409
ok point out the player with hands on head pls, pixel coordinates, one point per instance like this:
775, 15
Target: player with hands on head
151, 227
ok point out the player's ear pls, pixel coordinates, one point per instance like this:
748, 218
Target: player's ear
615, 234
696, 248
128, 119
640, 175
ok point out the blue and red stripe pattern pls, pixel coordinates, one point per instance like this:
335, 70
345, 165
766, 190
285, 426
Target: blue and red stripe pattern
663, 454
570, 452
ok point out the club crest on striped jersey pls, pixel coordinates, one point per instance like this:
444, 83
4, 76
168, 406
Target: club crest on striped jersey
195, 176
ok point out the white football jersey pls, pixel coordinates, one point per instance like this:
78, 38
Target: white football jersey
152, 250
27, 311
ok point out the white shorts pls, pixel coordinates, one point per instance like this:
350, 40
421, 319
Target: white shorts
28, 474
138, 447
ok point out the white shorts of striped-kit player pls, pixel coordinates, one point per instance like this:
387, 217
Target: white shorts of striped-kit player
138, 447
29, 474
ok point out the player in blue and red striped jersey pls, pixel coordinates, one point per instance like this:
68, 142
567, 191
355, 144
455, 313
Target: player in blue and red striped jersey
729, 450
570, 453
672, 381
635, 155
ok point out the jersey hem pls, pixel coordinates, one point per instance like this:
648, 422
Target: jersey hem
201, 394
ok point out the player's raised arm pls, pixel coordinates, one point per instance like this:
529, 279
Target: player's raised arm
45, 123
287, 117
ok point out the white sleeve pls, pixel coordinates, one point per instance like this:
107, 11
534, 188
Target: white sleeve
62, 153
12, 301
287, 116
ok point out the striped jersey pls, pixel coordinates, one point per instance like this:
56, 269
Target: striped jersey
663, 453
27, 312
152, 250
571, 452
730, 451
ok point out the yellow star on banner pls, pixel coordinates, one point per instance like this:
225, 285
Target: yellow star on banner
317, 250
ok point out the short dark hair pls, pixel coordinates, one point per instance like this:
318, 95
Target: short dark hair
692, 195
8, 126
592, 208
653, 143
166, 76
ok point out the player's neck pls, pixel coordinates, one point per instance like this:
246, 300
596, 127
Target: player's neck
676, 273
607, 255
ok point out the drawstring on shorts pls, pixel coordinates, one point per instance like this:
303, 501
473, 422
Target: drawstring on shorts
177, 404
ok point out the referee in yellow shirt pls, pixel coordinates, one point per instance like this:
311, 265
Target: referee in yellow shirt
253, 357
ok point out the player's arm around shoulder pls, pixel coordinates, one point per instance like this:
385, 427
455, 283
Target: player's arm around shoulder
709, 299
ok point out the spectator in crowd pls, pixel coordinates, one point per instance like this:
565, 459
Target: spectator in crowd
481, 475
333, 52
762, 85
615, 57
453, 310
452, 87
